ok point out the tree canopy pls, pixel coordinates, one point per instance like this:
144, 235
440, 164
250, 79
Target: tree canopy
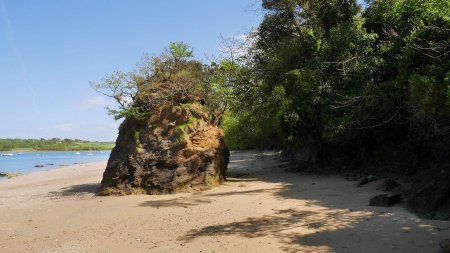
361, 85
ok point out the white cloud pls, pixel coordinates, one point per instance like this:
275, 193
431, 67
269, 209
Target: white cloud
65, 127
96, 101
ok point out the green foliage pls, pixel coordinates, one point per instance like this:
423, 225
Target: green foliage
180, 130
257, 126
122, 87
353, 81
54, 144
417, 48
172, 78
133, 112
179, 50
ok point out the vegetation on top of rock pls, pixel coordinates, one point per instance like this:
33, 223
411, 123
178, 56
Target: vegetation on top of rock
172, 77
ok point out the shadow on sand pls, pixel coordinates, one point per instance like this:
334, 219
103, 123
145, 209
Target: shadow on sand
78, 190
198, 198
334, 215
313, 227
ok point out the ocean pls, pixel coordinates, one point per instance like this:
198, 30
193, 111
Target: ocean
25, 162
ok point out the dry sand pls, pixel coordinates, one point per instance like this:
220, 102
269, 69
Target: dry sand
261, 208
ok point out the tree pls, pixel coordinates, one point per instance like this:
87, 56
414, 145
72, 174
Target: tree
157, 79
172, 78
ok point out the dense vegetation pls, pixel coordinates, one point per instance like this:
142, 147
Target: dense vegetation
331, 81
347, 86
54, 144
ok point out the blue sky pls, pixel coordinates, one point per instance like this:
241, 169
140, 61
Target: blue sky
51, 49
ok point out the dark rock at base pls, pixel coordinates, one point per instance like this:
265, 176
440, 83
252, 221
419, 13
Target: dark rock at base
385, 200
390, 184
429, 194
175, 149
445, 245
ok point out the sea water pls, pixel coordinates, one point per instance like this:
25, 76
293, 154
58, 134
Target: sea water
15, 162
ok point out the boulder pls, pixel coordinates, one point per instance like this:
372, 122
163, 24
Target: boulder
429, 194
385, 200
175, 149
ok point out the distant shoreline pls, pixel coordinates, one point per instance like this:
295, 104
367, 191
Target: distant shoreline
55, 144
53, 150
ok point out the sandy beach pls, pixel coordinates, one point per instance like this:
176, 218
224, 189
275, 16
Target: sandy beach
261, 208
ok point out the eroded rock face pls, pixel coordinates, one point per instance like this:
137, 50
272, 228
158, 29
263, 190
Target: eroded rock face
174, 150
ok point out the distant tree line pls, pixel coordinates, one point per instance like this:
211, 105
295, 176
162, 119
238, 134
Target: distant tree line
54, 144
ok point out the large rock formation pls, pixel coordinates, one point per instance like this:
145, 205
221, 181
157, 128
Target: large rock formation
429, 195
174, 150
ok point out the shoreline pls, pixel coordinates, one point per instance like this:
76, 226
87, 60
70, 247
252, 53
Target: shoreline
57, 167
64, 167
33, 161
37, 185
261, 208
